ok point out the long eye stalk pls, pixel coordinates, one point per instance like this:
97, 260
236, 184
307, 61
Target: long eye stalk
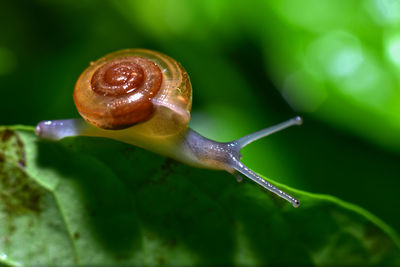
241, 168
244, 141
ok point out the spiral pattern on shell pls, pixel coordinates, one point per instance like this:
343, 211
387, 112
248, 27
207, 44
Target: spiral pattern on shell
129, 86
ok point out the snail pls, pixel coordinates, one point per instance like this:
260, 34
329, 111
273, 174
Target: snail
142, 97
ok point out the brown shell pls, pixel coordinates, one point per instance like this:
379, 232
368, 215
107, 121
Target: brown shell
133, 86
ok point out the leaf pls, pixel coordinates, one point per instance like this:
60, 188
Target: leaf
95, 201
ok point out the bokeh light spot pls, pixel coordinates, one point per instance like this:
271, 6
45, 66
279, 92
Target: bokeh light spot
369, 85
303, 92
353, 71
345, 61
384, 12
336, 54
393, 49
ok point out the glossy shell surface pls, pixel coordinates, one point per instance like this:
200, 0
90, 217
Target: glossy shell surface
165, 108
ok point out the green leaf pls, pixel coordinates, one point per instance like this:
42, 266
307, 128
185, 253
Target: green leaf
93, 201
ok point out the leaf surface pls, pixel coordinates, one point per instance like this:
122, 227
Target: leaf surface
95, 201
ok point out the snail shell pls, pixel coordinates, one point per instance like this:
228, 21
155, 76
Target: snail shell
135, 87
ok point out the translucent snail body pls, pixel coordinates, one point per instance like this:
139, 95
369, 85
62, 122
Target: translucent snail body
144, 98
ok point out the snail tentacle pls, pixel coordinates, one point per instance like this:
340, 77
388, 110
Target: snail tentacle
239, 167
244, 141
243, 169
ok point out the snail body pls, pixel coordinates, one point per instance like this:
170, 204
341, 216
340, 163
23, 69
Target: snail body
142, 97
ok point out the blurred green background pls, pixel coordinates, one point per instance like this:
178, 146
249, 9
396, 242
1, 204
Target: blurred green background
252, 64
